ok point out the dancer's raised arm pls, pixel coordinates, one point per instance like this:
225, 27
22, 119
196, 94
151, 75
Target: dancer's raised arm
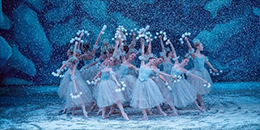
191, 50
142, 52
173, 52
132, 45
75, 48
150, 46
96, 43
162, 45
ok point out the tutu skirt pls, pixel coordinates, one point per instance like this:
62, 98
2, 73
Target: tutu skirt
183, 93
63, 88
198, 84
146, 94
83, 95
106, 94
166, 93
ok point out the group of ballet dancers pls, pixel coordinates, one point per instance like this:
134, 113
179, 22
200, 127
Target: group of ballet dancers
116, 77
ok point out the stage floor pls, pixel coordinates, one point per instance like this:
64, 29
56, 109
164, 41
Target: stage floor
229, 106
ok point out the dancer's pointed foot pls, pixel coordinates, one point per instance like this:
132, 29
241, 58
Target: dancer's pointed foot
85, 114
73, 112
200, 109
113, 111
125, 116
64, 111
99, 110
174, 114
104, 117
144, 118
162, 113
202, 106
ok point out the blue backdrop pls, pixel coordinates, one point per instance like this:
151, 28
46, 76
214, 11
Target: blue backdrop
35, 34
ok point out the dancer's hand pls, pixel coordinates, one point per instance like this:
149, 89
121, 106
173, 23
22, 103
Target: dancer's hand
149, 38
58, 72
186, 39
204, 81
134, 34
169, 41
76, 92
160, 36
142, 41
82, 33
174, 77
215, 70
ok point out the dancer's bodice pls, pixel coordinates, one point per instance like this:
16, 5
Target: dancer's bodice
144, 73
104, 75
199, 63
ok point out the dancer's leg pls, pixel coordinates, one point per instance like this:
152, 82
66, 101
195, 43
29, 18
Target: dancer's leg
120, 106
160, 111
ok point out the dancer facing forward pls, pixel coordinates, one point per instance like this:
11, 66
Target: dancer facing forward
106, 94
146, 93
183, 92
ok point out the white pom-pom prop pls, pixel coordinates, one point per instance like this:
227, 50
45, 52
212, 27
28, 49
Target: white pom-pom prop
75, 96
104, 27
183, 36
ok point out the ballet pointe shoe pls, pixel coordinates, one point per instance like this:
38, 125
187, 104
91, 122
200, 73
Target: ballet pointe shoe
144, 118
85, 114
99, 110
64, 111
162, 113
109, 113
104, 117
125, 116
174, 114
200, 109
112, 111
202, 106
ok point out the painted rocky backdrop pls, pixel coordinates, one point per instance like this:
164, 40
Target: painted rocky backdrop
35, 34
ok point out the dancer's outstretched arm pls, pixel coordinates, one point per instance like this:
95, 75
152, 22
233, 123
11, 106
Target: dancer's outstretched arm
114, 78
93, 63
195, 76
97, 75
165, 74
61, 68
209, 64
